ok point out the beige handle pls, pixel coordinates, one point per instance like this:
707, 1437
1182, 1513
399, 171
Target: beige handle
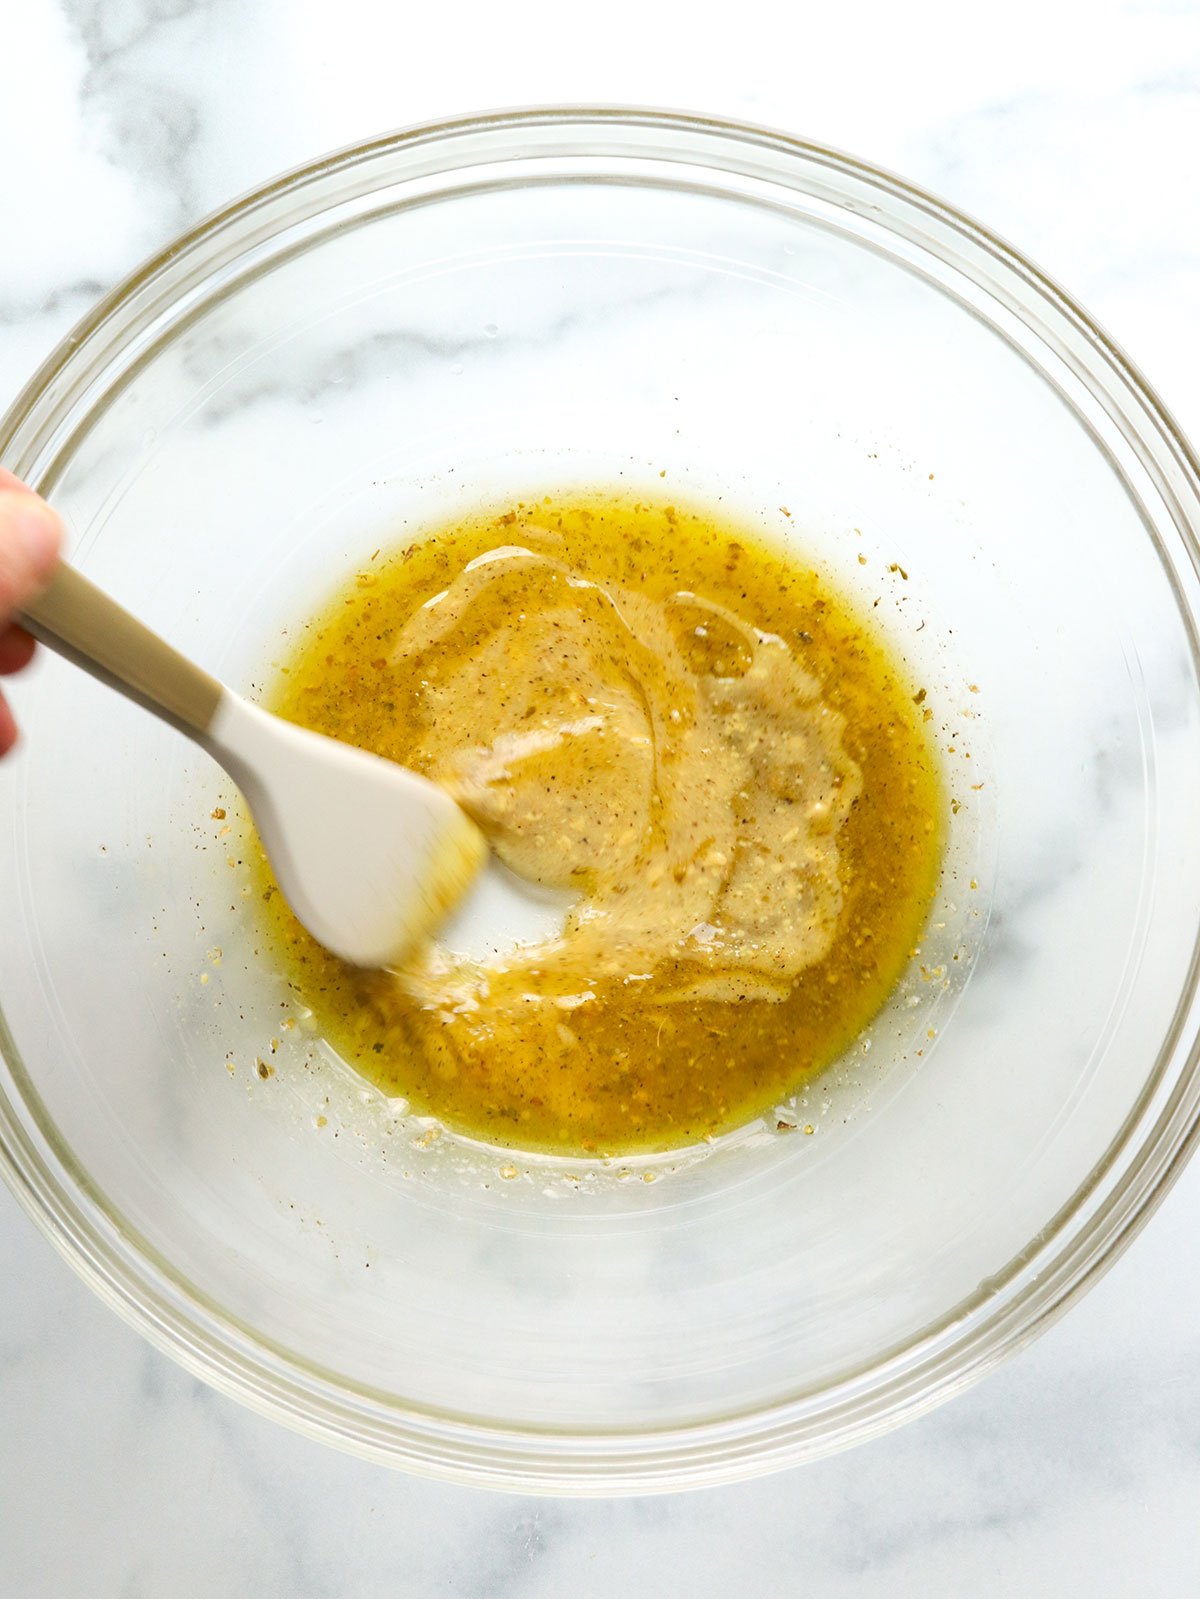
79, 620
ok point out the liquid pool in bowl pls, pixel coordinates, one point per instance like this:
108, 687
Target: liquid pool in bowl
401, 332
691, 756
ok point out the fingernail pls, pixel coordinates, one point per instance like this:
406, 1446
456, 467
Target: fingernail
38, 532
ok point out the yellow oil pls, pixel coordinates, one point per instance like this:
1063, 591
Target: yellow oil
639, 1073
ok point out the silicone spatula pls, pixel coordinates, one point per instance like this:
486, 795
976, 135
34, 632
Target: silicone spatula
369, 855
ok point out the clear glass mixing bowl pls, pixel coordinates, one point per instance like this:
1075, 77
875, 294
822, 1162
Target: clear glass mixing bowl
485, 307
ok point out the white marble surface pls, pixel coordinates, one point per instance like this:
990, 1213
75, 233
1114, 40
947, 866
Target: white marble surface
1076, 1468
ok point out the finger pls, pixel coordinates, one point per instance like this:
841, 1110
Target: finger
8, 728
9, 480
16, 649
30, 539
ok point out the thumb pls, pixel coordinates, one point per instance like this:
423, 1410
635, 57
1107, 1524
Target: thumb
30, 539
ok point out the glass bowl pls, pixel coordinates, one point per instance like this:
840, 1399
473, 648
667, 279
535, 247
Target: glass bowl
511, 304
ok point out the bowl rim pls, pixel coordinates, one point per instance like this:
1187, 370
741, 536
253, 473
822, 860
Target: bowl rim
940, 1360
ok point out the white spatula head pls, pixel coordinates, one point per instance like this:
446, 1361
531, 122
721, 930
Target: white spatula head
369, 856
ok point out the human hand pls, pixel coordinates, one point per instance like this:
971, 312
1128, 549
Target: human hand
30, 539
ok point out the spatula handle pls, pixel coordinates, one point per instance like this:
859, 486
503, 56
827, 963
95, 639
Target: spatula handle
81, 622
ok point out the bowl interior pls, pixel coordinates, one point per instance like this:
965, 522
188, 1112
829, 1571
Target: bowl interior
362, 363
